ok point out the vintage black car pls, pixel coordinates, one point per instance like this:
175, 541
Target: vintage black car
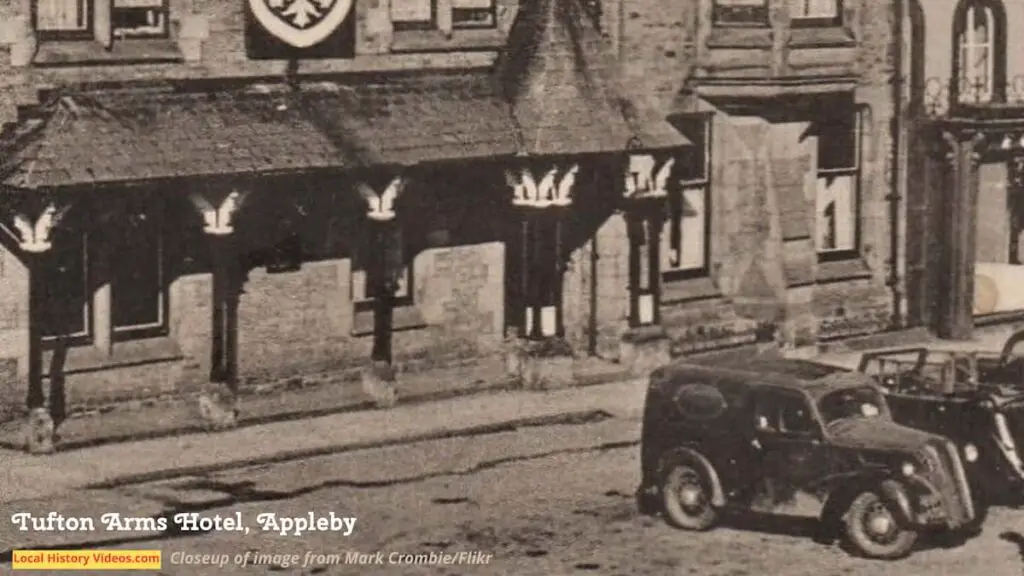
785, 436
947, 392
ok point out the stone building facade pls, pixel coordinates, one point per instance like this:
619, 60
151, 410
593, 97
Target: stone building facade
800, 233
208, 199
962, 99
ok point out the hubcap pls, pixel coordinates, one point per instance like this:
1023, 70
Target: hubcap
690, 496
880, 524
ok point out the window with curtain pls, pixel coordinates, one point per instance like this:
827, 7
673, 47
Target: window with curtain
67, 18
423, 14
815, 12
837, 201
686, 237
140, 18
976, 58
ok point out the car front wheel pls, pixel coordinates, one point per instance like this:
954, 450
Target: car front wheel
873, 530
686, 498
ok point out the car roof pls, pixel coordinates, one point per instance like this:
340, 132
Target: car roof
802, 376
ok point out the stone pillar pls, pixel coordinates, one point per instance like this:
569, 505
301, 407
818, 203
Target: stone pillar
218, 404
34, 240
959, 209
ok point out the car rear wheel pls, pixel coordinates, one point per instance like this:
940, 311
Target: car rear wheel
686, 498
873, 530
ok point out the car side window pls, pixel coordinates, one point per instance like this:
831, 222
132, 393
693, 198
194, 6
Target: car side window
784, 414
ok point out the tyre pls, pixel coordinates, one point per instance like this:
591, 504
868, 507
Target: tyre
873, 530
686, 498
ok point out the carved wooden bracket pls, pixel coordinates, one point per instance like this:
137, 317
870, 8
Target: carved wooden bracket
381, 206
554, 188
218, 220
33, 234
646, 177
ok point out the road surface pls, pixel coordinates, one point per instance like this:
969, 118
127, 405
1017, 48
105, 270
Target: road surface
544, 501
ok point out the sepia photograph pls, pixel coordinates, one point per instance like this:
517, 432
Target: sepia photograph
512, 287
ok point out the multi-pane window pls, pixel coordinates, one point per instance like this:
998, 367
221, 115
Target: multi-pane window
976, 47
685, 240
101, 20
71, 278
815, 12
425, 14
838, 190
740, 12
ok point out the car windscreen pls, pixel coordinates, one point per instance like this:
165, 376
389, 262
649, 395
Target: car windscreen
857, 402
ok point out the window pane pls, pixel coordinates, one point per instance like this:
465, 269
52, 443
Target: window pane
684, 240
742, 12
133, 18
693, 160
813, 8
836, 213
363, 291
412, 11
837, 142
473, 14
137, 274
62, 15
65, 288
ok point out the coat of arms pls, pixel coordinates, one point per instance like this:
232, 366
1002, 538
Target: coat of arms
301, 23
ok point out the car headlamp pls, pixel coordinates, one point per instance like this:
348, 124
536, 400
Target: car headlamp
908, 469
971, 452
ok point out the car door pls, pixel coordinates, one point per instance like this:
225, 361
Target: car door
792, 455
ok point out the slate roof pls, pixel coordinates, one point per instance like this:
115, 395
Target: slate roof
115, 137
562, 80
416, 119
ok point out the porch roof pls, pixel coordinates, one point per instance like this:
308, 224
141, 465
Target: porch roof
103, 137
565, 86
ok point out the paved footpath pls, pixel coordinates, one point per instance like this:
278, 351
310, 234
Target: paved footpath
27, 477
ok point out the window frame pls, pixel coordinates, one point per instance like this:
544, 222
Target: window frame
800, 21
162, 326
721, 17
60, 35
362, 261
434, 23
996, 84
90, 31
87, 335
774, 399
856, 173
529, 297
164, 10
674, 203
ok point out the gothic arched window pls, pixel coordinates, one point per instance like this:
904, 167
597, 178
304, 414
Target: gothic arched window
979, 31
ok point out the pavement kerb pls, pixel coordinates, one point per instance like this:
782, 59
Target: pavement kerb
29, 477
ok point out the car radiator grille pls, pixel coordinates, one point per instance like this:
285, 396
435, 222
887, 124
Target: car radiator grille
949, 478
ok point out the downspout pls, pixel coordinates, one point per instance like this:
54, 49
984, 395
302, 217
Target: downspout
895, 174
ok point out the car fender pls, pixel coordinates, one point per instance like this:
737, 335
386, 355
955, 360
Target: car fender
892, 492
694, 458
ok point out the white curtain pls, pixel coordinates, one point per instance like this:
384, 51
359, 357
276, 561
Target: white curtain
688, 253
836, 213
62, 15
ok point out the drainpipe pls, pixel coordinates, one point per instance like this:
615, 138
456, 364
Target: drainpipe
897, 169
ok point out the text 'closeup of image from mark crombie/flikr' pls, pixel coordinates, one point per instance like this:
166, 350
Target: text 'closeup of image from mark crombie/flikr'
531, 287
